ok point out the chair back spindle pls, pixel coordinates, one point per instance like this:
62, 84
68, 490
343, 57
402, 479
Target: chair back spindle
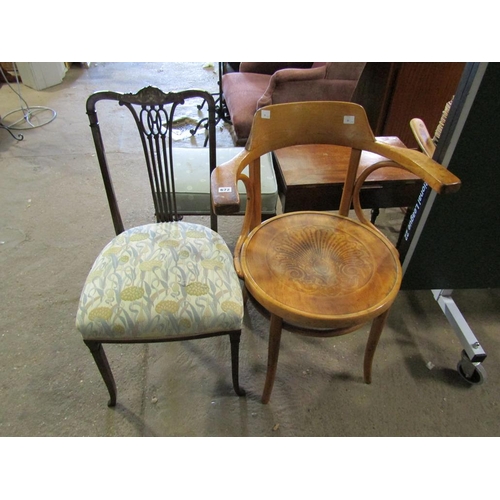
154, 113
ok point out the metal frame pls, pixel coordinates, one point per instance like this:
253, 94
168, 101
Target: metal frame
221, 111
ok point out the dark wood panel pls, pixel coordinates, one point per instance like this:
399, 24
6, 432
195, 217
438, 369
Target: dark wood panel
420, 90
458, 247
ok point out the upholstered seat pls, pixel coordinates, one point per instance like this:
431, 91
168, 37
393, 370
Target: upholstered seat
161, 280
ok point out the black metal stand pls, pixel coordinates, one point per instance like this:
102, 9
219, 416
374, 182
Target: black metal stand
221, 112
19, 137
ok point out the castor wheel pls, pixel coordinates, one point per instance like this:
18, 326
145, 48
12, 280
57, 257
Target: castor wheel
473, 373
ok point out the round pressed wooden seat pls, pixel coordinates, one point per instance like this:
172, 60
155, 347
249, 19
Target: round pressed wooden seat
321, 270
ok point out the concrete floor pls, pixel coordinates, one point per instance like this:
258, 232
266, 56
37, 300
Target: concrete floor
54, 220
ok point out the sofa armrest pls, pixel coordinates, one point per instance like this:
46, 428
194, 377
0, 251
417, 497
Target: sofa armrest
287, 77
329, 82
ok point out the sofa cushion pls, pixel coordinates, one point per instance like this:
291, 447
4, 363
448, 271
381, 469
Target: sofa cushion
192, 182
344, 71
241, 92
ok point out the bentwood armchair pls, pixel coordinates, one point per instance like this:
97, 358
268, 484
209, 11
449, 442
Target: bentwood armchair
320, 273
162, 281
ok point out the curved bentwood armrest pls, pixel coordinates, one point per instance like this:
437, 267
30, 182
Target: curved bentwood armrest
438, 177
422, 136
224, 182
225, 177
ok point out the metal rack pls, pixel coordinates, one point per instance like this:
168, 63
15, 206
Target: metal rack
29, 117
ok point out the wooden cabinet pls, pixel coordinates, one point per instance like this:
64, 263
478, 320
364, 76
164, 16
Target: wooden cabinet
394, 93
458, 246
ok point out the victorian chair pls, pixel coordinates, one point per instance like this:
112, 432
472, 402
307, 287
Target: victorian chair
166, 280
319, 273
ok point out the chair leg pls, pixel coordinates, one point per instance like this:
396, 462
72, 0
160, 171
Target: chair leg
373, 338
102, 363
272, 356
235, 362
374, 214
213, 222
244, 292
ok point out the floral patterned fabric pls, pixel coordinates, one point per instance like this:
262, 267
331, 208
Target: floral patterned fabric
161, 280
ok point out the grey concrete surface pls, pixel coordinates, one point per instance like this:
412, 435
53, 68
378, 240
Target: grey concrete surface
54, 220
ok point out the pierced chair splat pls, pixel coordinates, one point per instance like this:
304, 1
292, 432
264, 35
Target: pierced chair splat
164, 281
319, 273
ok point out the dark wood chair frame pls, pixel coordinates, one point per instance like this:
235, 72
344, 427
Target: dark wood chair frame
154, 123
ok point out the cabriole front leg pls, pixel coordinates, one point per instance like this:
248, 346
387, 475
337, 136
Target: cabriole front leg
235, 356
102, 363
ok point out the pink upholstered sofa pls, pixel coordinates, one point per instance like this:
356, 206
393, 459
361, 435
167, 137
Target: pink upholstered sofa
259, 84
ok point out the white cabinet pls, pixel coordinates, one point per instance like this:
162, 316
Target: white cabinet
41, 75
